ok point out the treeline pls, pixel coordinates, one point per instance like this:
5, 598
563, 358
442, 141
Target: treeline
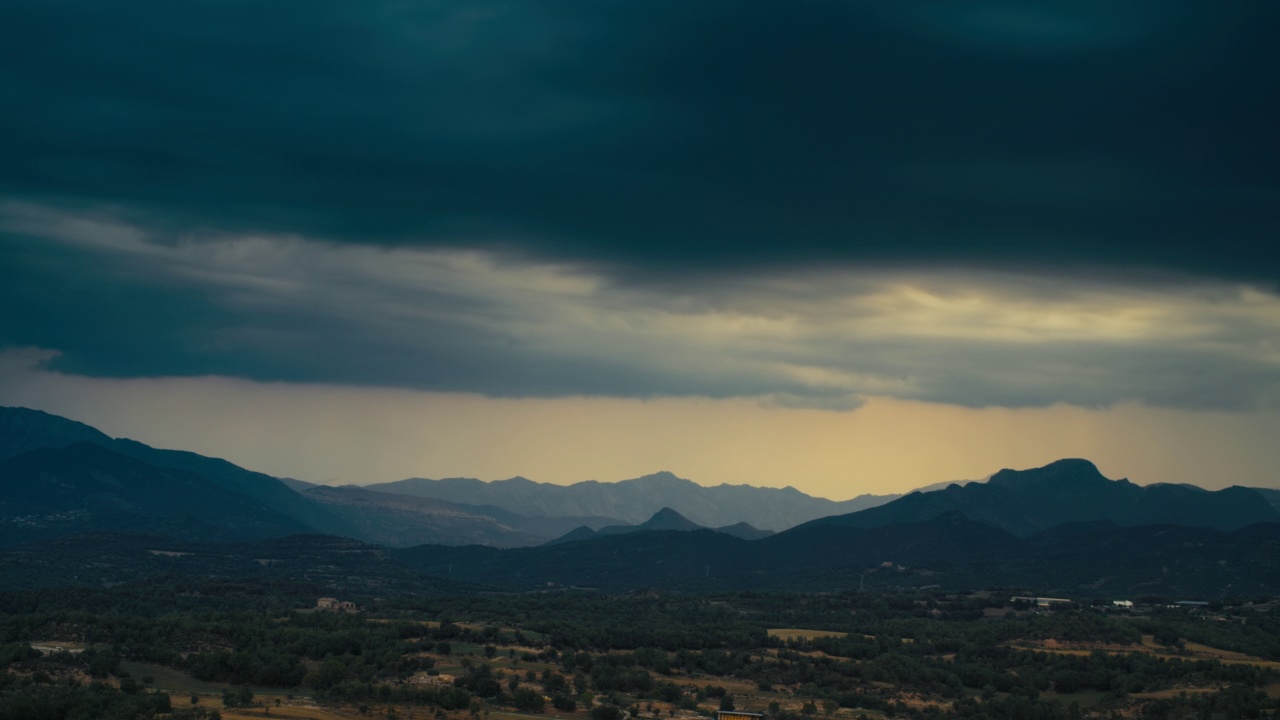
36, 687
1243, 630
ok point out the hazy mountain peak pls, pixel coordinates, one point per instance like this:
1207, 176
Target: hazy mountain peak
744, 531
662, 477
668, 519
577, 534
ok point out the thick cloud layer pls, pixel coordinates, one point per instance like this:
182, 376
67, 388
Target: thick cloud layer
662, 136
288, 308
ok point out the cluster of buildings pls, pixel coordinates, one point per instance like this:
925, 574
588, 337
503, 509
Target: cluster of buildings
329, 604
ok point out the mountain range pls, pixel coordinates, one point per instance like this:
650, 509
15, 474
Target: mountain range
40, 451
1062, 526
633, 501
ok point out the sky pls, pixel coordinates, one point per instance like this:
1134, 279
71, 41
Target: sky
844, 246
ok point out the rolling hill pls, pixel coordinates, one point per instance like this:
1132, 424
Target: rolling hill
950, 552
665, 519
52, 491
22, 429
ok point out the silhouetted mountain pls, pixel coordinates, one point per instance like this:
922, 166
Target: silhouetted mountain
24, 429
51, 491
744, 531
575, 535
1027, 501
664, 519
633, 501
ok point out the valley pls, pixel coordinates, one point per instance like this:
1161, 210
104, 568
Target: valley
254, 648
142, 583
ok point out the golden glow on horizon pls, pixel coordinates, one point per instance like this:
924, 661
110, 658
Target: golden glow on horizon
359, 435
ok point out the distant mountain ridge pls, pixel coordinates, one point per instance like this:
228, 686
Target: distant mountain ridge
1024, 502
404, 520
665, 519
59, 476
636, 500
23, 429
293, 505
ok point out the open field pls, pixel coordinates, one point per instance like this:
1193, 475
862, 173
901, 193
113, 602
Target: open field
55, 646
1174, 692
286, 710
1194, 651
477, 627
1198, 651
288, 713
178, 682
791, 633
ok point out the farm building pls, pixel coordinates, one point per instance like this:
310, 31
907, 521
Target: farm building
336, 605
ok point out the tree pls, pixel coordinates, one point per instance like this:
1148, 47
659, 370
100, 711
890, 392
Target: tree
528, 699
606, 712
1167, 636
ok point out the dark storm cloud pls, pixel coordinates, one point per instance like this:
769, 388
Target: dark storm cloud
665, 135
134, 301
980, 203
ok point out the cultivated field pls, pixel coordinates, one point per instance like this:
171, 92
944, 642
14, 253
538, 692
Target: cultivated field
798, 633
1192, 651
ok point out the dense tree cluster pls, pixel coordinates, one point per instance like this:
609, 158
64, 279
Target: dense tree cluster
31, 688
